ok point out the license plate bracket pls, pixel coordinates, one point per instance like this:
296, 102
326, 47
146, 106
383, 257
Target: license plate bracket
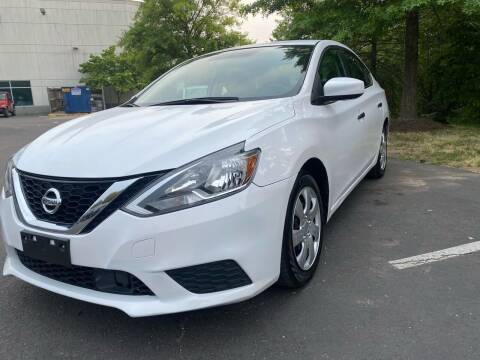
54, 251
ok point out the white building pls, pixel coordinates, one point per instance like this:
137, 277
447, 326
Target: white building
42, 43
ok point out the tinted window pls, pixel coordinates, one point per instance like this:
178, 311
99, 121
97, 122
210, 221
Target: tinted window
330, 67
355, 67
252, 73
20, 83
20, 89
22, 96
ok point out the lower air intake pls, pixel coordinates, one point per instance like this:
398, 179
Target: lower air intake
211, 277
108, 281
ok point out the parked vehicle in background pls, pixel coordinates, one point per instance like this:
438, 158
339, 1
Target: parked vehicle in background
206, 188
7, 105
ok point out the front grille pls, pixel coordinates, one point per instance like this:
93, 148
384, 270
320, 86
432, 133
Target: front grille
211, 277
108, 281
77, 197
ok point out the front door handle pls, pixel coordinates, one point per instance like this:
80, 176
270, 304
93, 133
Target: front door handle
361, 116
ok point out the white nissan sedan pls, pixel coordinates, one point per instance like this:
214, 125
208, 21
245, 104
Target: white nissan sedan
210, 185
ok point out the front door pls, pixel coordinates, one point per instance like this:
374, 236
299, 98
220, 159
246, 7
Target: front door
345, 125
368, 103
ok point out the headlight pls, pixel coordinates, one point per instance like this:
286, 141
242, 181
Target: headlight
8, 185
207, 179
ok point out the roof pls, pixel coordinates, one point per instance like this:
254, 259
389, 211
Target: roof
290, 42
272, 43
276, 43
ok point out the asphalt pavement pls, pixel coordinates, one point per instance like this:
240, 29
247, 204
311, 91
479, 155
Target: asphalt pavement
358, 306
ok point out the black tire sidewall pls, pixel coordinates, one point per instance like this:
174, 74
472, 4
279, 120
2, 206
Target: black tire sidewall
293, 275
381, 171
384, 132
377, 172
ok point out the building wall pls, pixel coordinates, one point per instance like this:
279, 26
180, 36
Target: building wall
48, 49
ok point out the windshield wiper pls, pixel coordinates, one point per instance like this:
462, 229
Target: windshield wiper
200, 100
130, 103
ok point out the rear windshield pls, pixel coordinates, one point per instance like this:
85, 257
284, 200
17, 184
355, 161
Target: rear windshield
247, 74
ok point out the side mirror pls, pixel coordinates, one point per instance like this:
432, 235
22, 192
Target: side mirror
341, 88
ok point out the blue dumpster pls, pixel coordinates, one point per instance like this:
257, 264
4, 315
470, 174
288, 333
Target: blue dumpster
77, 99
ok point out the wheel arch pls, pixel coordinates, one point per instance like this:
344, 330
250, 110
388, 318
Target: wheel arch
317, 169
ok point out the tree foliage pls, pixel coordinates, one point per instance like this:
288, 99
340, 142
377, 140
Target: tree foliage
167, 32
164, 33
448, 69
109, 69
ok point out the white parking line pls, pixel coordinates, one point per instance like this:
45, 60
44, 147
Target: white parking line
436, 256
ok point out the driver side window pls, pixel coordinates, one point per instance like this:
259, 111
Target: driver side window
330, 67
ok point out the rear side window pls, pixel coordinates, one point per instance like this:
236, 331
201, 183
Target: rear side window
355, 68
330, 67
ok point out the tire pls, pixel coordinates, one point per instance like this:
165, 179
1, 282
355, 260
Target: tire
380, 167
6, 113
295, 273
14, 112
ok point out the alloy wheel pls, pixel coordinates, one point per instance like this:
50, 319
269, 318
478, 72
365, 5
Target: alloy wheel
306, 228
383, 151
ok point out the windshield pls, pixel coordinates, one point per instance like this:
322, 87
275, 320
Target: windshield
3, 96
246, 74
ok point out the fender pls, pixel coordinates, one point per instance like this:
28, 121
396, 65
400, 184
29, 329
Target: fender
286, 147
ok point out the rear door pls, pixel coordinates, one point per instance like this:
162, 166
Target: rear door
367, 105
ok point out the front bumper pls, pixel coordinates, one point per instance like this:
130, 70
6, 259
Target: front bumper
246, 227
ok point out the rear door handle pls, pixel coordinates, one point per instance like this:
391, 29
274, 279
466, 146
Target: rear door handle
380, 105
361, 116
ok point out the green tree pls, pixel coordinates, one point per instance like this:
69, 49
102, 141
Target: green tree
372, 28
167, 32
423, 18
449, 63
406, 43
109, 69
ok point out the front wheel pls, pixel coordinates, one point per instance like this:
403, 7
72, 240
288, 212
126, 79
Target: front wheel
379, 169
6, 113
303, 233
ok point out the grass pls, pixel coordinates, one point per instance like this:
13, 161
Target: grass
453, 145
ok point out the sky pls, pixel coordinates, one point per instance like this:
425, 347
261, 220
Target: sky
258, 27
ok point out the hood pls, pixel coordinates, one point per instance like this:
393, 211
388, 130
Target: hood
128, 141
